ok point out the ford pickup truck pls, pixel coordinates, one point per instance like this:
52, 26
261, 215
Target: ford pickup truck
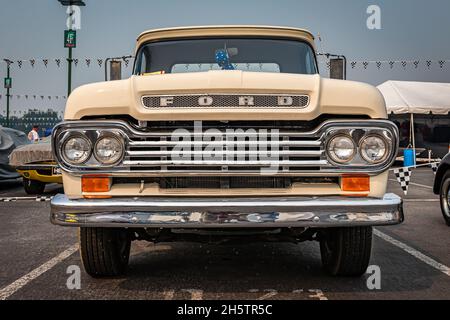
225, 133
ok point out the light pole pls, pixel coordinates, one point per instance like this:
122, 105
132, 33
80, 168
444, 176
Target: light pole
70, 39
8, 85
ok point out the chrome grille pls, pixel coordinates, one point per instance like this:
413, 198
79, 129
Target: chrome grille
295, 152
301, 146
225, 101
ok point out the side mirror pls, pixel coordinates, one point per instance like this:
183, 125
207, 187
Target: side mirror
337, 68
115, 70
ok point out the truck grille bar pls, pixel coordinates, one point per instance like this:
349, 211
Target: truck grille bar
292, 152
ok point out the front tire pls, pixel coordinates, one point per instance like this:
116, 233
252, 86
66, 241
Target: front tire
346, 251
33, 187
104, 251
445, 197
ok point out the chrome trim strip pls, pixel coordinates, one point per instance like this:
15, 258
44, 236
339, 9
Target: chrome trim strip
227, 212
285, 163
303, 153
36, 166
224, 143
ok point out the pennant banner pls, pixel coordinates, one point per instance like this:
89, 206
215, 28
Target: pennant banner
46, 62
390, 64
28, 96
434, 166
403, 176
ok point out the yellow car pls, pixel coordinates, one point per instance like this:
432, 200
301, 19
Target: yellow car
36, 176
35, 163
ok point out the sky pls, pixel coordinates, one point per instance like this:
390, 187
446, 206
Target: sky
410, 30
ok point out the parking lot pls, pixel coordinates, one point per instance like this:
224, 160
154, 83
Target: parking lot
414, 260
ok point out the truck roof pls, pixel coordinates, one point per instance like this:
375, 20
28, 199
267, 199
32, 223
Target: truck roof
224, 30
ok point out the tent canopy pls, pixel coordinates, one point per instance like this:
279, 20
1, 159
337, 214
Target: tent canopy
405, 97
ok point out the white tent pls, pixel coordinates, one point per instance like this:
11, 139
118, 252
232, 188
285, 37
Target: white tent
410, 97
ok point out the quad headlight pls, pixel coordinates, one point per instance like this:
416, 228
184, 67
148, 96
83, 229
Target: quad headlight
76, 149
358, 148
373, 148
341, 148
108, 150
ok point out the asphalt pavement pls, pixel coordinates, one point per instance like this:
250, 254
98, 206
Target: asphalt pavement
36, 259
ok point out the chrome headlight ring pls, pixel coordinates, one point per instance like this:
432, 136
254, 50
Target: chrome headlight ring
377, 141
79, 144
110, 143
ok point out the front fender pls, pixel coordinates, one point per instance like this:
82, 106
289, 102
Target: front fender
443, 167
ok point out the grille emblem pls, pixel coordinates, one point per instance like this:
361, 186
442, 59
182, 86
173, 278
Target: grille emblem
205, 101
225, 101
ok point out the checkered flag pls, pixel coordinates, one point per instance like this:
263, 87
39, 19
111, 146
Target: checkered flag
403, 176
434, 167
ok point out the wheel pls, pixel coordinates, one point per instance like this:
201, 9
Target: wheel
33, 186
445, 197
104, 251
346, 251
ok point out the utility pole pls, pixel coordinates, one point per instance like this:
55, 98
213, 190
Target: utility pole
8, 85
69, 80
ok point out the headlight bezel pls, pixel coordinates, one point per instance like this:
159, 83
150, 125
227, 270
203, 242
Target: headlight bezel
358, 134
92, 135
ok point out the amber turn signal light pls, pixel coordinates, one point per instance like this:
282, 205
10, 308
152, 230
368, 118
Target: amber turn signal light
95, 183
360, 183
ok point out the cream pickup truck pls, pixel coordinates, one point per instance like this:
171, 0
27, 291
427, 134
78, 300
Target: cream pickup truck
225, 133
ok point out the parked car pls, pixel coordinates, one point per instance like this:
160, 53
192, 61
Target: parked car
179, 152
9, 140
442, 187
36, 164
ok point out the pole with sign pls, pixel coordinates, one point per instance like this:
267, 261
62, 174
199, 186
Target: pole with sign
8, 86
70, 41
70, 35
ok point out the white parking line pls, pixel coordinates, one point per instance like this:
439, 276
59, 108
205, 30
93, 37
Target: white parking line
419, 255
414, 184
21, 282
421, 200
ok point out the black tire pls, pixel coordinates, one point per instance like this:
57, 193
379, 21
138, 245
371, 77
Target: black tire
104, 251
445, 197
346, 251
33, 186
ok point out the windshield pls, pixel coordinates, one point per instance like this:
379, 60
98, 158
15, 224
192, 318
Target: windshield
246, 54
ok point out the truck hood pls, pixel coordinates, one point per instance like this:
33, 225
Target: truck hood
326, 96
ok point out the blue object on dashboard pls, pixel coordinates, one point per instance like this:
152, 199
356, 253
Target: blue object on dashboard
223, 60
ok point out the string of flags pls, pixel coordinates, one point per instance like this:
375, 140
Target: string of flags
353, 64
394, 64
34, 97
46, 62
403, 174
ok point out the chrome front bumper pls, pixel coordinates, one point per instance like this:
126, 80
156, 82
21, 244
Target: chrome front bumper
320, 212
